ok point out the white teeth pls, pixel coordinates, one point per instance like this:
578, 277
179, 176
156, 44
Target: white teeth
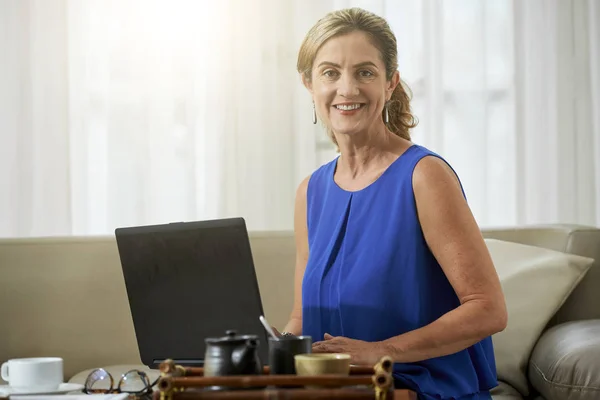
347, 107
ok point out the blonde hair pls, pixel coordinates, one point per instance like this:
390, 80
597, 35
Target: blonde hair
348, 20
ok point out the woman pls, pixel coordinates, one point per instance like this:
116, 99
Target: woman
390, 260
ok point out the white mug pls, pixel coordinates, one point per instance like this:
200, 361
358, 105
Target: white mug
36, 374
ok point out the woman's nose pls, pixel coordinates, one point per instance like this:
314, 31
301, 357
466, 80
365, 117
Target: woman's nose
347, 86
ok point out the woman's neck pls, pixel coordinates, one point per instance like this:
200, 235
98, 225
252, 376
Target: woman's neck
360, 153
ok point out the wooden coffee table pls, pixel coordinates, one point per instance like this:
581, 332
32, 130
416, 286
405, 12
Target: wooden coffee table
403, 394
364, 382
287, 394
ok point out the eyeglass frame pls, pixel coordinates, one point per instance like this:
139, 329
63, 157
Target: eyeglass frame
117, 389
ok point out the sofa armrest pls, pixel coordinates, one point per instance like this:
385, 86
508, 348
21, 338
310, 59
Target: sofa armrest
565, 362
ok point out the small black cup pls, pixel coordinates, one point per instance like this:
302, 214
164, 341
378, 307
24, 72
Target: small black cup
283, 350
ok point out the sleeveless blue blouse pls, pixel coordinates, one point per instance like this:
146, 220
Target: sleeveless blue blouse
371, 276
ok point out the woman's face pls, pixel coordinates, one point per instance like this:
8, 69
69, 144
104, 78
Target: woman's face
349, 84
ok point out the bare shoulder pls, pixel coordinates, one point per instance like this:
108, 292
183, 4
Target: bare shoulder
302, 189
442, 209
431, 172
300, 218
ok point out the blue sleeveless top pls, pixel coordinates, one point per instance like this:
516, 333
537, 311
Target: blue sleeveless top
371, 276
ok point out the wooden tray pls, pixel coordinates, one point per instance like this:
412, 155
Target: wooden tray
363, 382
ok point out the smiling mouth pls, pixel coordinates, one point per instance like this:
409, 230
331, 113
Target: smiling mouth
349, 107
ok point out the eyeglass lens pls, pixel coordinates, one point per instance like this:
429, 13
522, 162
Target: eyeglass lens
99, 381
134, 381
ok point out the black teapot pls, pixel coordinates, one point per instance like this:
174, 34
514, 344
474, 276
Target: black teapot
232, 355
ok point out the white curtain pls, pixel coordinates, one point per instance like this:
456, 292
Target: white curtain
128, 112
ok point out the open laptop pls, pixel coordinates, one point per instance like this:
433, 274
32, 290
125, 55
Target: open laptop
188, 281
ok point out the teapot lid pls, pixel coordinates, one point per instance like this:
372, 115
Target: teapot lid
231, 336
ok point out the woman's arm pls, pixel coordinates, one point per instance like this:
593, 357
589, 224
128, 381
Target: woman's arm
456, 242
294, 324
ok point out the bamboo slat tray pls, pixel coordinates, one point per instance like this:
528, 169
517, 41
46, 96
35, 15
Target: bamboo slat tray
178, 382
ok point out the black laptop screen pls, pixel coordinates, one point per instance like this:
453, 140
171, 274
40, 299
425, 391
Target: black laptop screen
189, 281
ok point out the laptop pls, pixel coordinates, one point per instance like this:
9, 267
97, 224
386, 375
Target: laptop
188, 281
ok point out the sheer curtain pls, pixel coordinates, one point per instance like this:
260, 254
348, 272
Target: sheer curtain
127, 112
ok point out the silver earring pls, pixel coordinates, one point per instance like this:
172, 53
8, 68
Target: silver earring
386, 115
314, 114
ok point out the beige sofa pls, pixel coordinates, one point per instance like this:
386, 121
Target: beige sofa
66, 297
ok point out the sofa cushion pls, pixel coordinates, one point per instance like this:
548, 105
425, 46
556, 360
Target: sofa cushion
567, 238
565, 362
536, 282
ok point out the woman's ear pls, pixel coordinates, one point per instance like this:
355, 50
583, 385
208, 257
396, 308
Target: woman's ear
392, 83
306, 82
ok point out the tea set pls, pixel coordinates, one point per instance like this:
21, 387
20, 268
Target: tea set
235, 354
231, 354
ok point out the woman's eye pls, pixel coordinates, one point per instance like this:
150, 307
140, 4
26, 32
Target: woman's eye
365, 73
329, 73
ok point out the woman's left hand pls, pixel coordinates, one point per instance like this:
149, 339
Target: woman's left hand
361, 352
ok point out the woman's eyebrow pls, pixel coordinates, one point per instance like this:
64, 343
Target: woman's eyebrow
362, 64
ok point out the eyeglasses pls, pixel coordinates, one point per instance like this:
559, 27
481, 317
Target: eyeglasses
133, 382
